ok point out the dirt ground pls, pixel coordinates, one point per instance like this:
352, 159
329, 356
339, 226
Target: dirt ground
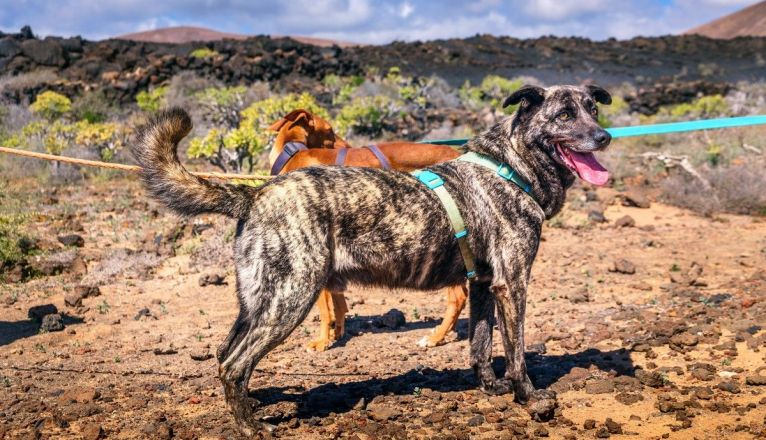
652, 329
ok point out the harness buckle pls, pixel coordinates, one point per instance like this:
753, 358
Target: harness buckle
430, 179
505, 171
461, 234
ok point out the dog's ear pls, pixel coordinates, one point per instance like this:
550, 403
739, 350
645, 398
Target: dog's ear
528, 94
599, 94
290, 117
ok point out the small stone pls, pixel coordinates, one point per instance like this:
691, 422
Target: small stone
212, 280
603, 432
579, 296
52, 323
72, 240
624, 266
541, 431
729, 386
625, 221
635, 199
652, 379
589, 424
392, 319
596, 216
599, 386
757, 379
381, 412
628, 398
704, 393
612, 426
702, 374
92, 431
201, 355
684, 339
475, 420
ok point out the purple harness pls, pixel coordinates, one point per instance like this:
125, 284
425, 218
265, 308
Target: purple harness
384, 163
288, 151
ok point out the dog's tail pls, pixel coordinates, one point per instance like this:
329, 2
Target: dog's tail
168, 181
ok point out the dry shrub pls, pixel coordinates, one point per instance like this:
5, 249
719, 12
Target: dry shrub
737, 189
121, 264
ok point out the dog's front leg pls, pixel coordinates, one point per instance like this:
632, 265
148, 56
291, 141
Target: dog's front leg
482, 314
511, 304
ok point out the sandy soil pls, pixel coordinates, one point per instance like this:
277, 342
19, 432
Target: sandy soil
674, 350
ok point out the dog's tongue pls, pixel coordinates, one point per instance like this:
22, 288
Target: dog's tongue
588, 168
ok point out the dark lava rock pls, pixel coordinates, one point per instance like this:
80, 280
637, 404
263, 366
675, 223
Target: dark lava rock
596, 216
52, 323
72, 240
9, 48
623, 266
625, 221
158, 430
145, 312
702, 374
729, 386
38, 312
704, 393
476, 420
392, 319
589, 424
44, 52
579, 296
603, 432
212, 280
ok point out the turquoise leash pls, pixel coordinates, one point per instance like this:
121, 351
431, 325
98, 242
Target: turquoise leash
645, 130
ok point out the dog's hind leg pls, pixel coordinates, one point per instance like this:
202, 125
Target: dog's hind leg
327, 332
482, 314
456, 298
266, 318
339, 310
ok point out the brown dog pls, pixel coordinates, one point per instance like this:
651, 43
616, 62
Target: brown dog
322, 148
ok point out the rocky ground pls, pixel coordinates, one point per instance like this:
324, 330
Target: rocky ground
646, 320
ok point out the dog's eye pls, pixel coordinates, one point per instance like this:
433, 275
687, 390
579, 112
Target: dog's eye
594, 111
564, 116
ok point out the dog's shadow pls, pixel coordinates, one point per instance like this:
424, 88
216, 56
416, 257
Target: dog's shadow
11, 331
544, 370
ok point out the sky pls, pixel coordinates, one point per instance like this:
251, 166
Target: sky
368, 21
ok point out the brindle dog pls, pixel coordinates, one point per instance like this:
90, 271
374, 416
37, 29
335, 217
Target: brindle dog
331, 226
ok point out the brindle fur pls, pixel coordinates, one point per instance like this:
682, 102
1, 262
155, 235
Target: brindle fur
333, 226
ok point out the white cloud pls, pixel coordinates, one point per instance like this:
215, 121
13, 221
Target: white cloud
406, 9
563, 9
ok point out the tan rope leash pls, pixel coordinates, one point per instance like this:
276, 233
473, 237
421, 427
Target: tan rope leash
122, 167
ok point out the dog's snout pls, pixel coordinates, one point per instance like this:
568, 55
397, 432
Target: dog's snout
602, 138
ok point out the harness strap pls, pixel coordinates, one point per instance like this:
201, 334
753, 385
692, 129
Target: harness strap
381, 157
436, 184
288, 151
340, 159
502, 169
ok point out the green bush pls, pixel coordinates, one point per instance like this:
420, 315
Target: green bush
12, 241
342, 87
223, 105
51, 105
151, 100
365, 116
704, 107
92, 107
491, 92
203, 53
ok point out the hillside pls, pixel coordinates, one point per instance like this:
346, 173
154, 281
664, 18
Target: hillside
749, 22
189, 34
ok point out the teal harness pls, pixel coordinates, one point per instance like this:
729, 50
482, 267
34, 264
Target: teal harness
435, 183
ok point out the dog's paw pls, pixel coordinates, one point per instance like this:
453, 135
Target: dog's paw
499, 387
435, 340
318, 345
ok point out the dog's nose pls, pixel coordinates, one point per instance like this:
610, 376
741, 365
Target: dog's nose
602, 138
